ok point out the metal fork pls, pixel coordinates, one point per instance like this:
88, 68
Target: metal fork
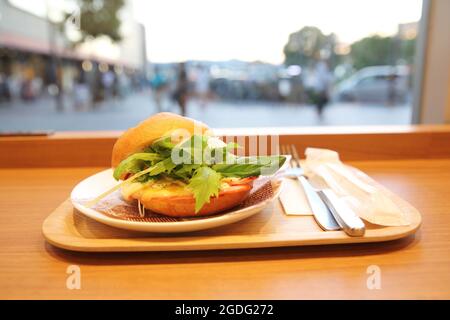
320, 211
342, 214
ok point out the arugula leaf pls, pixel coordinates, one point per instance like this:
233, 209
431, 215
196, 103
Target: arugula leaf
163, 146
250, 166
145, 178
165, 166
198, 149
135, 163
190, 151
195, 141
220, 154
265, 160
204, 184
185, 171
238, 170
204, 150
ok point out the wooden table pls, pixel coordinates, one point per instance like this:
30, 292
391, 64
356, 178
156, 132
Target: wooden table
414, 267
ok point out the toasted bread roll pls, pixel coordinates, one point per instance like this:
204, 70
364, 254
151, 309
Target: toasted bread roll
178, 201
161, 124
184, 206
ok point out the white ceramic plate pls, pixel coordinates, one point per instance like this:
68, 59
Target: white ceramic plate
98, 183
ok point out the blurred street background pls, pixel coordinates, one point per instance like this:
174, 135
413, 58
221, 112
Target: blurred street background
122, 114
108, 64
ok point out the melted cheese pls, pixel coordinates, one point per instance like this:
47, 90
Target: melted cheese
159, 188
129, 189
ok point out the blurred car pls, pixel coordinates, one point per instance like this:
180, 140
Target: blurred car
379, 84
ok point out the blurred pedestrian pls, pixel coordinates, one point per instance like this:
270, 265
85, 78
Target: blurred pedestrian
82, 94
318, 86
158, 84
181, 90
108, 79
202, 86
5, 92
284, 89
27, 90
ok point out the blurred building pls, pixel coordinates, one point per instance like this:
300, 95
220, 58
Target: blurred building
36, 53
24, 29
408, 30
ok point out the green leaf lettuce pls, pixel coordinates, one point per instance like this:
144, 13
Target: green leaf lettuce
204, 184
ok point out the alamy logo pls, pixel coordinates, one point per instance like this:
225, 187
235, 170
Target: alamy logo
74, 279
374, 280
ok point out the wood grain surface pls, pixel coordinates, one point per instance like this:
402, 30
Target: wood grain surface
414, 267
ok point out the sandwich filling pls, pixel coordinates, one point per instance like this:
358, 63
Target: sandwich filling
200, 166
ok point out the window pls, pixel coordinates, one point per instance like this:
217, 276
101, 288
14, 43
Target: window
228, 63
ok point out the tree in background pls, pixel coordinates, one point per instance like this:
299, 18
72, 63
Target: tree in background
98, 18
308, 45
408, 50
376, 50
372, 51
92, 19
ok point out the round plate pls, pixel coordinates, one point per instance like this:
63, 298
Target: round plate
263, 193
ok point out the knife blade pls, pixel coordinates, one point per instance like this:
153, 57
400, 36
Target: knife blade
321, 213
343, 214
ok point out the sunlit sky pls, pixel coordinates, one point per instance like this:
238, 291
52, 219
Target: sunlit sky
251, 30
179, 30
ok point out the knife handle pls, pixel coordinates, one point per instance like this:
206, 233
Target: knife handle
344, 215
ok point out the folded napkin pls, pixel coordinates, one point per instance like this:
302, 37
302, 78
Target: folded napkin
293, 199
325, 170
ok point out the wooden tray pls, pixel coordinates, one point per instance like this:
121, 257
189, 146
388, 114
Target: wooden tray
68, 229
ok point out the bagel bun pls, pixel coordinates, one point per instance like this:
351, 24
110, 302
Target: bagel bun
161, 124
177, 201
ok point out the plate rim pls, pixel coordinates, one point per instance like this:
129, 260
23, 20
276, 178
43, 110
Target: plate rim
170, 226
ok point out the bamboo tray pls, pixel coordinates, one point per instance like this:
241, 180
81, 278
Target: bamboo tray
69, 229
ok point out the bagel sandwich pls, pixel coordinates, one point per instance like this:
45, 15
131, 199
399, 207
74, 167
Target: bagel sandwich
174, 166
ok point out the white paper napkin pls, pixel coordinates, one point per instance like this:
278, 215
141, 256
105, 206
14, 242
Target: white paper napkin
293, 199
325, 170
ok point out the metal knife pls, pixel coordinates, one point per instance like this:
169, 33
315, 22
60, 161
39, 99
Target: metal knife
343, 214
323, 216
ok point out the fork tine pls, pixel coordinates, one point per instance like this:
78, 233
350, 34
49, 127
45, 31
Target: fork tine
294, 152
292, 160
289, 150
295, 161
286, 148
286, 152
